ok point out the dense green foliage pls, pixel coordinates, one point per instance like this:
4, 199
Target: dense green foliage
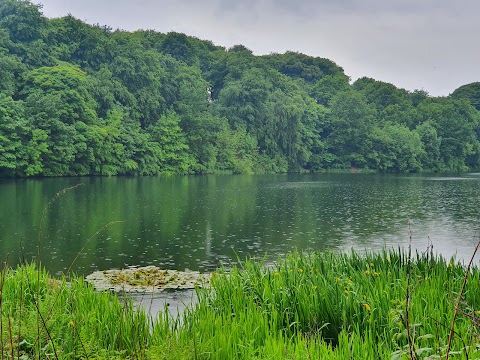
79, 99
315, 306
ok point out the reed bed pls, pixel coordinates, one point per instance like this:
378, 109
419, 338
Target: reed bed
307, 306
47, 318
332, 306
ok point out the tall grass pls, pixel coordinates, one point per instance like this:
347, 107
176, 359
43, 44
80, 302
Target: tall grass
83, 324
308, 306
330, 306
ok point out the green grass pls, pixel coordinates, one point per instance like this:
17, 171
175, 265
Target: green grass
308, 306
334, 307
51, 318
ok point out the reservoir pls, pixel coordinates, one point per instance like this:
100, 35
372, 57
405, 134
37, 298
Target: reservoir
204, 222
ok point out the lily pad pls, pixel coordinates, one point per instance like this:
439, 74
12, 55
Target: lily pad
149, 279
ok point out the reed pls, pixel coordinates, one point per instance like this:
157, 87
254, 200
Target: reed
307, 306
335, 306
83, 324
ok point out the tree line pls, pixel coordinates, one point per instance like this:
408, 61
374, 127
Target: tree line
79, 99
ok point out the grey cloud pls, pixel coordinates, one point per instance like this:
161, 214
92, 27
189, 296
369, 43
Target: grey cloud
400, 7
429, 44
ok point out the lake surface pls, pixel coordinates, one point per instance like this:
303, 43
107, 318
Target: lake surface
202, 222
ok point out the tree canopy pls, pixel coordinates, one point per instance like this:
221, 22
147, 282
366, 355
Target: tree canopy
80, 99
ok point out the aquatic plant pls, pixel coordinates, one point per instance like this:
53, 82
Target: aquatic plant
335, 306
149, 279
306, 306
75, 320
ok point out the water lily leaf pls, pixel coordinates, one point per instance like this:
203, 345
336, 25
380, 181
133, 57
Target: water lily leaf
146, 279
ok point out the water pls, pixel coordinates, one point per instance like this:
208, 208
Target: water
203, 222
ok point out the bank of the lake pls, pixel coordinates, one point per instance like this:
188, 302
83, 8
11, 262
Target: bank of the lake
307, 306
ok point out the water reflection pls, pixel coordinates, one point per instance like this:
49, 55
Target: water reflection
204, 222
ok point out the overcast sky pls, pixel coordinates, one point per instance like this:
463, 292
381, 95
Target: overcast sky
415, 44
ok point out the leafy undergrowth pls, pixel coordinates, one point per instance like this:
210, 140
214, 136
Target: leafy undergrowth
308, 306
